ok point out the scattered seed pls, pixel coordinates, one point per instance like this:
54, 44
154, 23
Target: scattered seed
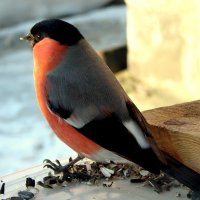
189, 195
40, 183
25, 195
106, 172
144, 172
30, 182
126, 172
178, 194
88, 167
137, 180
2, 190
93, 173
107, 184
157, 187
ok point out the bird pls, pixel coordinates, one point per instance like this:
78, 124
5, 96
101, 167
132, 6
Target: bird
86, 106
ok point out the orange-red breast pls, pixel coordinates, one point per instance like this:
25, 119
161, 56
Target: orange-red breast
82, 100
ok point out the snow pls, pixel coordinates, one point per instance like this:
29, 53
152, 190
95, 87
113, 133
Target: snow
25, 137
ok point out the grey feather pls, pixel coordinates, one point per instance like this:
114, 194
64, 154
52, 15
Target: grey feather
83, 85
82, 80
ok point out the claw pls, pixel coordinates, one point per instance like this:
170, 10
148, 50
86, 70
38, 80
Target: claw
49, 162
46, 160
58, 168
50, 167
58, 162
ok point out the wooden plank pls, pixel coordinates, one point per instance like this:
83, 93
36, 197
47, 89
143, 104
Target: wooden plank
176, 130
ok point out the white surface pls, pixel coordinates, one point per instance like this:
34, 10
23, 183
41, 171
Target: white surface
121, 189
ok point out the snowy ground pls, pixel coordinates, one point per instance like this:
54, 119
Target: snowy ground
25, 137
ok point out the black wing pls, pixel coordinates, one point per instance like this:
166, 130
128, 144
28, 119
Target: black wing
111, 134
108, 132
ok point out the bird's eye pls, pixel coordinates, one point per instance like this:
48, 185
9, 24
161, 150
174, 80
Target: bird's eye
38, 37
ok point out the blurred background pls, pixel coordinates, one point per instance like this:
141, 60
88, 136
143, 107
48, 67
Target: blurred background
152, 47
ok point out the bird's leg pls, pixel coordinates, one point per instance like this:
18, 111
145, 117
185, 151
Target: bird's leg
58, 168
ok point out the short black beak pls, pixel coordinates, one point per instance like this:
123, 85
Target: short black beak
29, 37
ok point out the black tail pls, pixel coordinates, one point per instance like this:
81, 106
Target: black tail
183, 174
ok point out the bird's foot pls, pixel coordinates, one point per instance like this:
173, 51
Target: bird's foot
58, 168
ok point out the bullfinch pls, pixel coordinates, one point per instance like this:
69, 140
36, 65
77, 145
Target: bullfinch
84, 103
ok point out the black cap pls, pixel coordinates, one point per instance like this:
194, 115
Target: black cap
56, 29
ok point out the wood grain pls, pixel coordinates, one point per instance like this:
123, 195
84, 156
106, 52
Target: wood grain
176, 130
